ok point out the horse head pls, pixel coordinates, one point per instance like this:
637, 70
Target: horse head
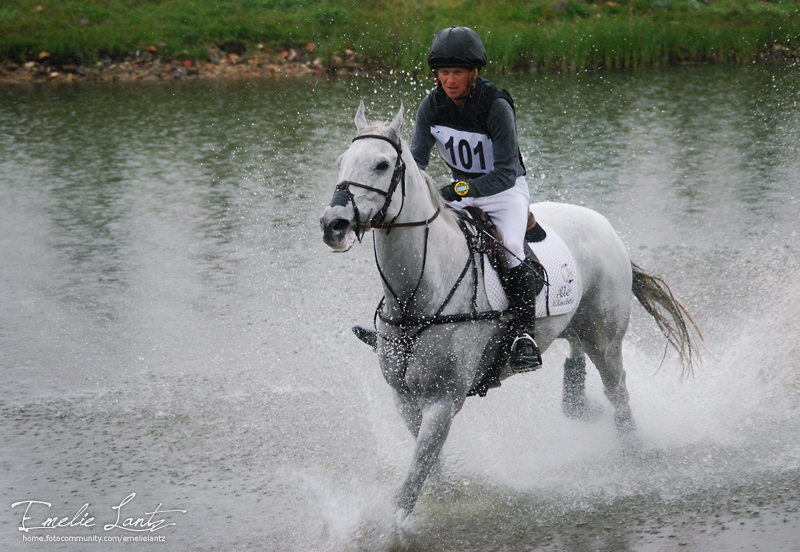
370, 172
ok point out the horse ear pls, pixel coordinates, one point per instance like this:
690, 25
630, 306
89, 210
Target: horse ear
361, 119
397, 123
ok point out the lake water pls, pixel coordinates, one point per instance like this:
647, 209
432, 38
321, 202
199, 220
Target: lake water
171, 324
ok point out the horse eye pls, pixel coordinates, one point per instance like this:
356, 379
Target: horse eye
382, 166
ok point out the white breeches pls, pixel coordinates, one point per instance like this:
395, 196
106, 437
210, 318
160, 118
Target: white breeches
509, 212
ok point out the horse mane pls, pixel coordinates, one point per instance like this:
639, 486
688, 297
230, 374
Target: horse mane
446, 212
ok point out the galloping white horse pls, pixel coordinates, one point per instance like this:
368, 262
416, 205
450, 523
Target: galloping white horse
436, 341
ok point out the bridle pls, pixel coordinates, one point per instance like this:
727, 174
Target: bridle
398, 178
406, 320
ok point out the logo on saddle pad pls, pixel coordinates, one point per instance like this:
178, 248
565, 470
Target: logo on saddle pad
566, 273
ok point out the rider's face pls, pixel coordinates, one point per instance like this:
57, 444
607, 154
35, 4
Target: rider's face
455, 81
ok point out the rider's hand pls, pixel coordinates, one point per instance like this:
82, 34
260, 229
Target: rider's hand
449, 192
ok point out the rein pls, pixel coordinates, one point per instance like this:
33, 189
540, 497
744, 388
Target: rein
424, 322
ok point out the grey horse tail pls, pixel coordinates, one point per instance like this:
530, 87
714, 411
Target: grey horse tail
671, 316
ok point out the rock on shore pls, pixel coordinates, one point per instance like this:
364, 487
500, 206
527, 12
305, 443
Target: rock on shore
145, 65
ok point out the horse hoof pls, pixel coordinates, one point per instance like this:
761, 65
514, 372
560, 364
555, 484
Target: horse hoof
581, 409
625, 424
403, 506
630, 445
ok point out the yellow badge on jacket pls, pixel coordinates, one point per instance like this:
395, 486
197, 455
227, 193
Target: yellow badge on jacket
461, 188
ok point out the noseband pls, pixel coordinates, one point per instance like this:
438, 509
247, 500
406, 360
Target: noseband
398, 177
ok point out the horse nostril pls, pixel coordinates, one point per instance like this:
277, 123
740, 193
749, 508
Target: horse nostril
341, 225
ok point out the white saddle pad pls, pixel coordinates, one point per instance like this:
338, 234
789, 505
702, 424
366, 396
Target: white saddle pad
560, 266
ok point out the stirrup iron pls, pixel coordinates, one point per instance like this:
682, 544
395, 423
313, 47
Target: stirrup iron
525, 355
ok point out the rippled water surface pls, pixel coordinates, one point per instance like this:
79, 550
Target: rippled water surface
171, 324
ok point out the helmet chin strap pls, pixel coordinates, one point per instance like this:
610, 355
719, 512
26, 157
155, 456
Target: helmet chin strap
463, 99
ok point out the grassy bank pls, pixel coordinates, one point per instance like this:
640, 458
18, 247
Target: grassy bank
519, 34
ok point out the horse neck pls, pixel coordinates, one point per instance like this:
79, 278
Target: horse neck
423, 260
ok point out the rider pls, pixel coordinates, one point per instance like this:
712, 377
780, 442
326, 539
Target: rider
472, 122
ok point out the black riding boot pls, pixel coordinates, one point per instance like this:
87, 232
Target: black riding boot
521, 291
370, 337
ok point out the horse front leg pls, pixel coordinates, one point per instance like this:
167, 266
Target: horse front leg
434, 426
409, 410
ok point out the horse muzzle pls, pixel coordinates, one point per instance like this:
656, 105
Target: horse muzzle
337, 224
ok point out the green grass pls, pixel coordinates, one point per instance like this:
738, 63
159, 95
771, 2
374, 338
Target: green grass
568, 35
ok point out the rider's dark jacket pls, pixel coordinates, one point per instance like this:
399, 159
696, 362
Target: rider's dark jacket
477, 141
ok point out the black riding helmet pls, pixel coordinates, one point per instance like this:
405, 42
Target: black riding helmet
457, 47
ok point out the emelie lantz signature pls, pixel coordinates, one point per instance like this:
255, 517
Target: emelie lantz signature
150, 522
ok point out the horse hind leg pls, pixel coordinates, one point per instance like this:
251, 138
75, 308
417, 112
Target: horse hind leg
608, 360
575, 404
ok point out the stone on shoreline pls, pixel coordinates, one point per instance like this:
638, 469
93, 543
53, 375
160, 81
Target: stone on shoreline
143, 65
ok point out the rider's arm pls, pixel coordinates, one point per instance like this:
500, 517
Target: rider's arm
422, 140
